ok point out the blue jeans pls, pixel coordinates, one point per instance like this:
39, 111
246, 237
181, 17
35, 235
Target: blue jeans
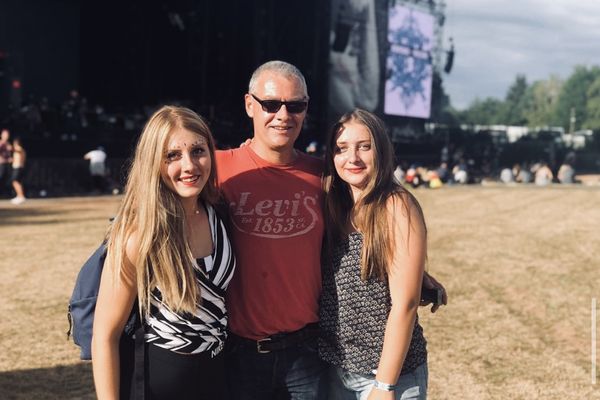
345, 385
296, 373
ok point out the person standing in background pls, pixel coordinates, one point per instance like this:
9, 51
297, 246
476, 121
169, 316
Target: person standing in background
5, 158
18, 167
97, 159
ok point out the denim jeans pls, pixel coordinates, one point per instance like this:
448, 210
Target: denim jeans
345, 385
296, 373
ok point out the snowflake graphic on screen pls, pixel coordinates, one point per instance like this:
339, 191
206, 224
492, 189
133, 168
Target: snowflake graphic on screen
410, 63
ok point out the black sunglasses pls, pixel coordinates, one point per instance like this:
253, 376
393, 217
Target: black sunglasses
272, 106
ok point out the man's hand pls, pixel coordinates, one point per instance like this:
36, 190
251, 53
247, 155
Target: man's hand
430, 282
246, 142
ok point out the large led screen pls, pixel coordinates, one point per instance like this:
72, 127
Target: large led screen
408, 64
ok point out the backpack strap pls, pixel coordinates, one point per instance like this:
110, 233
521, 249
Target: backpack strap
139, 364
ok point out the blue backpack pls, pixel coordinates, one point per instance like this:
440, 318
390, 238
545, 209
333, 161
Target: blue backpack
83, 304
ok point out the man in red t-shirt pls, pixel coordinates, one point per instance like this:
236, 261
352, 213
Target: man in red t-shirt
274, 196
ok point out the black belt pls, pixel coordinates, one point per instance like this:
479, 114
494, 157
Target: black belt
278, 341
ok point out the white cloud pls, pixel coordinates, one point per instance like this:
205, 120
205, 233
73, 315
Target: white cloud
497, 39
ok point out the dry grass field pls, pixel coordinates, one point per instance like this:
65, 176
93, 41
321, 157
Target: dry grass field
521, 265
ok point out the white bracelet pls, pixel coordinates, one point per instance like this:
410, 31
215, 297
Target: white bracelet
383, 386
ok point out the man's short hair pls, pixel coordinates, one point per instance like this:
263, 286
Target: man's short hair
281, 68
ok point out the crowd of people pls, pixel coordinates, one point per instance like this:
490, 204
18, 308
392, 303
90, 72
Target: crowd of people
326, 309
75, 119
538, 173
40, 118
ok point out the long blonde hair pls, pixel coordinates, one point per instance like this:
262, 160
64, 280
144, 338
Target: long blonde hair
154, 213
370, 213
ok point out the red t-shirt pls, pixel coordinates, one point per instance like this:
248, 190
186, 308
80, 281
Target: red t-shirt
277, 230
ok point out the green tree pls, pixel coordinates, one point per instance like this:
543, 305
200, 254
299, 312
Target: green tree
483, 112
540, 102
592, 120
514, 103
574, 95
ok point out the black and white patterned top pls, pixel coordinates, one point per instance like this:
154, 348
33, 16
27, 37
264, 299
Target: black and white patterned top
353, 315
206, 329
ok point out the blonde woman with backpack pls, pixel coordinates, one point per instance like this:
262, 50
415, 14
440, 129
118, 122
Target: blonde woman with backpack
167, 248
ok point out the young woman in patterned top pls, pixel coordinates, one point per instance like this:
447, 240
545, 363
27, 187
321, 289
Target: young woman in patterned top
168, 248
376, 247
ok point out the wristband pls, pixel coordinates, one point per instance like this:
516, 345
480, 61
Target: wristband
383, 386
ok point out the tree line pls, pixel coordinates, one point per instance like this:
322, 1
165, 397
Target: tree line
573, 104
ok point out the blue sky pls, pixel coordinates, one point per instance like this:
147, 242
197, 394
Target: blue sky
497, 39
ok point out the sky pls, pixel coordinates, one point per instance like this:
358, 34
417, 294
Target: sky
497, 39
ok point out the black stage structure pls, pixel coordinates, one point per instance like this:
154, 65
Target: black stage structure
200, 53
128, 57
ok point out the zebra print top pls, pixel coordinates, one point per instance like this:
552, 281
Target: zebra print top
205, 330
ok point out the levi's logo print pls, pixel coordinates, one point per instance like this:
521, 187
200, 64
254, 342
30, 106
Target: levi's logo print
275, 218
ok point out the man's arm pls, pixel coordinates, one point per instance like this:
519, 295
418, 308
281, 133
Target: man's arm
430, 282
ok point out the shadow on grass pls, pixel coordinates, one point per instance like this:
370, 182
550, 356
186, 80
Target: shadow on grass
62, 382
29, 216
12, 213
